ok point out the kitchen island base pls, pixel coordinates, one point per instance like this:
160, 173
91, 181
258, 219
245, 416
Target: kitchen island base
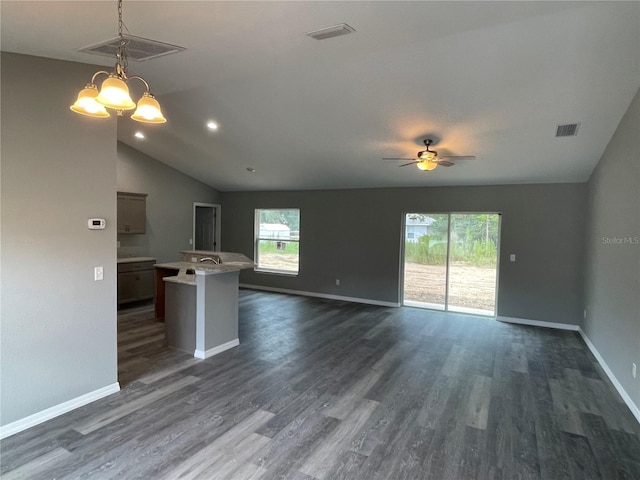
201, 317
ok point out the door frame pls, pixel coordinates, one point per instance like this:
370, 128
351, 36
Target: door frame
218, 214
446, 300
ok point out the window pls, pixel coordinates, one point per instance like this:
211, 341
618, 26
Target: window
277, 240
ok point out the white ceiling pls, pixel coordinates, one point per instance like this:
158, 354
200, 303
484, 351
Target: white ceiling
490, 79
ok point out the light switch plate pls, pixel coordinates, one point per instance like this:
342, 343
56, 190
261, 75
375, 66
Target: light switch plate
512, 257
98, 274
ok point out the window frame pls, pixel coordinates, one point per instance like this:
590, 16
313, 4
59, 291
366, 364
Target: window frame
257, 239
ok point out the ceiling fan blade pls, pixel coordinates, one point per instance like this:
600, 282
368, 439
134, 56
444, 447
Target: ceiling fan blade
410, 163
445, 163
398, 158
458, 157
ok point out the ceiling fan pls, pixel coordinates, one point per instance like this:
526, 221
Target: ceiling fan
429, 159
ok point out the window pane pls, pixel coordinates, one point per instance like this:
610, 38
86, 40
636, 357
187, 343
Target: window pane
425, 259
277, 237
278, 255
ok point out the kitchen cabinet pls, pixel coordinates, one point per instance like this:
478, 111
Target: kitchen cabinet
132, 212
136, 281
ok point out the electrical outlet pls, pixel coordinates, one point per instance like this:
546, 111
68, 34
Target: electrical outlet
194, 259
512, 257
337, 281
98, 274
633, 370
191, 241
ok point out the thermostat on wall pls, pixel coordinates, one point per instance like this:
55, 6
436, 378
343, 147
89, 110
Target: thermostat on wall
97, 223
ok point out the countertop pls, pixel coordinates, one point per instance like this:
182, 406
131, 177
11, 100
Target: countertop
135, 259
202, 269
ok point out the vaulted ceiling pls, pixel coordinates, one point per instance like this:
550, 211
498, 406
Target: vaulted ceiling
490, 79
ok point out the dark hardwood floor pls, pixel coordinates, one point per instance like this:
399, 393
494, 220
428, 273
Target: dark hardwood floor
322, 389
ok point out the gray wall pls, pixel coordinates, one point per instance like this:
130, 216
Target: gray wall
355, 235
169, 204
612, 284
58, 329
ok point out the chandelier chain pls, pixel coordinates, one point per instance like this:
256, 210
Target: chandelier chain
120, 18
122, 61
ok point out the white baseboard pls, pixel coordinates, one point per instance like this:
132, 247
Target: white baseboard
321, 295
216, 350
623, 393
539, 323
57, 410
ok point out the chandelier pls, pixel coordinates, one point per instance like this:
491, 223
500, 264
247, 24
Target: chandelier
114, 93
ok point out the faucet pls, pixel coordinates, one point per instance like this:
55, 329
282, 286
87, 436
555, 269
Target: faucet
215, 261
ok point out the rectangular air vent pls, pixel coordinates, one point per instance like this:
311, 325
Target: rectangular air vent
568, 130
329, 32
138, 49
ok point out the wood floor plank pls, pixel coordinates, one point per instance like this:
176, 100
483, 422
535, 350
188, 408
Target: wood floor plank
472, 454
526, 463
552, 451
109, 416
498, 463
519, 362
227, 445
247, 471
321, 461
387, 457
228, 466
454, 361
166, 370
581, 459
609, 458
288, 450
436, 401
350, 399
346, 466
478, 402
37, 466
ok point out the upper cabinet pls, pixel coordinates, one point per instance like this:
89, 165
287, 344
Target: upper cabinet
132, 212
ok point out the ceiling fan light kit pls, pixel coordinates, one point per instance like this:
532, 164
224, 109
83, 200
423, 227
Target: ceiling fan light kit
114, 93
426, 165
428, 159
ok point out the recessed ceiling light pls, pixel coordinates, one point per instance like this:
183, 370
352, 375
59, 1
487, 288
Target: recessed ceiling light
251, 170
139, 135
211, 125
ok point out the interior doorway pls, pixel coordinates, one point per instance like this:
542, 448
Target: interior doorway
451, 261
206, 226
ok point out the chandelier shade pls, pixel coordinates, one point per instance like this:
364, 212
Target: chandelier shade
86, 103
148, 110
115, 94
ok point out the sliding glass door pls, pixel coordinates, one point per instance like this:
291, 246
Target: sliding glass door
451, 261
425, 260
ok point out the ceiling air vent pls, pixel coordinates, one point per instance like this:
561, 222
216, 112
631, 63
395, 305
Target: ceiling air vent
334, 31
568, 130
138, 48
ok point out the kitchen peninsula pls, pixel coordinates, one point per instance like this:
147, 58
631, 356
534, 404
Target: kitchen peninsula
198, 298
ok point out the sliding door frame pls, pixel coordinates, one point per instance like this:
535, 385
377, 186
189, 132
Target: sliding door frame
446, 293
